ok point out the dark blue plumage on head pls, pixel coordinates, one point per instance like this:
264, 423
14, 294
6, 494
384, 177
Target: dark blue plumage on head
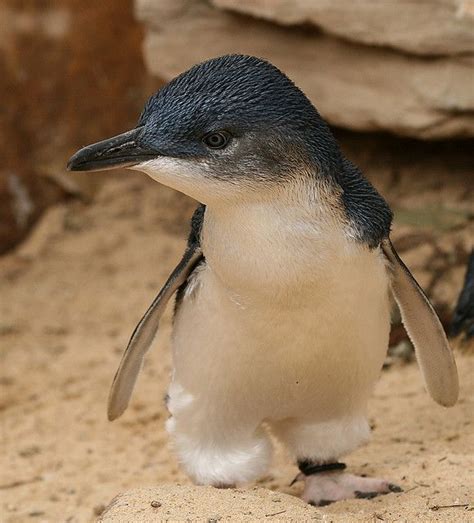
243, 95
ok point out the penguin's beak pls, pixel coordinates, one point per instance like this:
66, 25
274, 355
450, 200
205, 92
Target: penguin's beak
123, 150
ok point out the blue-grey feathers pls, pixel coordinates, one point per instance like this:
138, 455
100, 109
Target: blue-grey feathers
433, 353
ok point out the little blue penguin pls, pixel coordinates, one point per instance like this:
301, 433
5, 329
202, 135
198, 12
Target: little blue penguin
282, 312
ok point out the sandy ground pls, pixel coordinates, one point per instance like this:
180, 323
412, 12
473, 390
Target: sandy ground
70, 297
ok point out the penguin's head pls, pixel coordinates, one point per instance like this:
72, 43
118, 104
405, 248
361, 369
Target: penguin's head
231, 125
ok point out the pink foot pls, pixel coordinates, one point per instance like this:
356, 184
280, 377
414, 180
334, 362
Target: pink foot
327, 487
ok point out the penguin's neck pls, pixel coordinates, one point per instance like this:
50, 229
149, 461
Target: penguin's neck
278, 245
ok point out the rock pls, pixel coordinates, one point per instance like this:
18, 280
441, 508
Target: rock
23, 197
50, 225
353, 85
191, 503
63, 85
429, 27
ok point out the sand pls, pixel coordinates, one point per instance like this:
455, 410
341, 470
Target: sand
69, 299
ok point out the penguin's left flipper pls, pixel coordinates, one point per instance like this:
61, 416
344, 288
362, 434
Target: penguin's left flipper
433, 353
144, 333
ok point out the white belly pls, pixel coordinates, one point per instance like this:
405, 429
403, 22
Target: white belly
310, 349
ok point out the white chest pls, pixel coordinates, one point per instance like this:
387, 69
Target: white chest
283, 304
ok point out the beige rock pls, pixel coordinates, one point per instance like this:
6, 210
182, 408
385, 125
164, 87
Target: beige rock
352, 85
189, 503
430, 27
24, 195
51, 224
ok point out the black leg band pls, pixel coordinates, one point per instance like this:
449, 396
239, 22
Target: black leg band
308, 467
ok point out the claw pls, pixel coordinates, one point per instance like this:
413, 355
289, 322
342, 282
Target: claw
365, 495
394, 488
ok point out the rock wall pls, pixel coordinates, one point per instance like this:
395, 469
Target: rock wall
400, 66
424, 27
66, 79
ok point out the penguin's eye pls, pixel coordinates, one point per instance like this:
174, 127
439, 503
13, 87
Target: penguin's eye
216, 140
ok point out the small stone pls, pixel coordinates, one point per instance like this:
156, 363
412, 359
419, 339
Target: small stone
27, 452
98, 509
155, 504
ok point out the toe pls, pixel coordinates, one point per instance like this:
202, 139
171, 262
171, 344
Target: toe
394, 488
365, 495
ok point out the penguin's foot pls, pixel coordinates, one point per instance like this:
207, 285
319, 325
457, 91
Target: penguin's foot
326, 487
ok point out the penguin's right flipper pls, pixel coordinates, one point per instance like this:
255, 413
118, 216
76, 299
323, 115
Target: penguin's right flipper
463, 317
434, 355
144, 333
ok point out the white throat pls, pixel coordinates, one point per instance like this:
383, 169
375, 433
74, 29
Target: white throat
274, 246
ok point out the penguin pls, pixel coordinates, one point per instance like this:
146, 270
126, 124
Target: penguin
282, 311
463, 316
